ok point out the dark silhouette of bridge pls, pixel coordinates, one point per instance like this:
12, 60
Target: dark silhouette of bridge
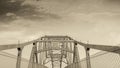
57, 50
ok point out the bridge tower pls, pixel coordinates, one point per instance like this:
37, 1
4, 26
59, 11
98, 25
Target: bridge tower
57, 50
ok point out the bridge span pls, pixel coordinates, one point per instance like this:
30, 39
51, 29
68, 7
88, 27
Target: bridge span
58, 50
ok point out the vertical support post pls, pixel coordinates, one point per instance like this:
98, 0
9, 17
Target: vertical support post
61, 56
36, 55
76, 58
52, 60
32, 57
39, 48
88, 57
70, 55
74, 54
51, 55
18, 63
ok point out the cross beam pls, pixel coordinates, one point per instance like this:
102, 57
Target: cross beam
109, 48
12, 46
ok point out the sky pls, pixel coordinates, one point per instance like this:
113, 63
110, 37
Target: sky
96, 21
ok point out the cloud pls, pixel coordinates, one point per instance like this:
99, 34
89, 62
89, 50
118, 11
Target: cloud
11, 11
71, 21
57, 9
113, 1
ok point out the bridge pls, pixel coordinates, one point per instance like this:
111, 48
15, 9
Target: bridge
58, 50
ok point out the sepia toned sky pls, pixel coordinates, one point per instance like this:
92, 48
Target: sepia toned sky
96, 21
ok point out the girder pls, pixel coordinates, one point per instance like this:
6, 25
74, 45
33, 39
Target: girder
109, 48
12, 46
55, 40
56, 36
43, 50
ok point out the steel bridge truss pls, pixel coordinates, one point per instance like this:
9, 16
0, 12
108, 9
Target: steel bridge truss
54, 49
57, 50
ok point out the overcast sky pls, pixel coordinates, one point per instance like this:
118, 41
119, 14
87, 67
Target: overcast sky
96, 21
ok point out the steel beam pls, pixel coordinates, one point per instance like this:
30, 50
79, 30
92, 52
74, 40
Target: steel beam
36, 54
12, 46
44, 50
61, 58
108, 48
88, 57
74, 54
32, 57
18, 63
55, 40
76, 58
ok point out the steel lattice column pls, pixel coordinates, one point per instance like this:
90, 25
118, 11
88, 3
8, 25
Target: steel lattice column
18, 63
75, 53
76, 58
32, 61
